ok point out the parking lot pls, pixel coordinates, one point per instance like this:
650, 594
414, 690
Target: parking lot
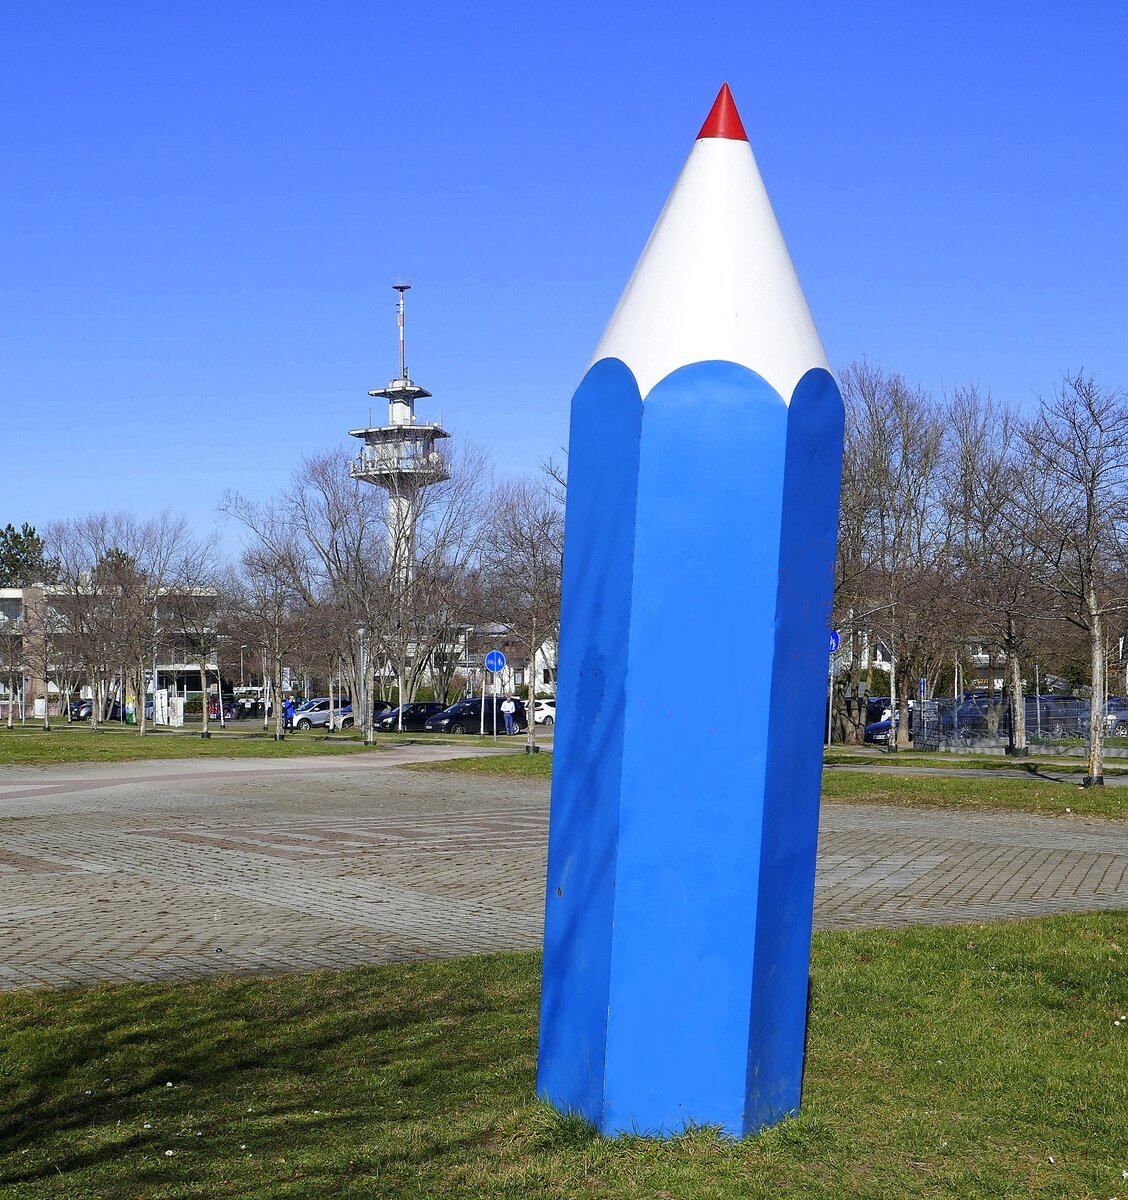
178, 869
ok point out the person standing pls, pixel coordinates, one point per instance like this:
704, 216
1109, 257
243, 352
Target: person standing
288, 714
508, 708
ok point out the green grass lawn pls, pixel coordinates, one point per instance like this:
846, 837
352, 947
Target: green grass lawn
523, 766
961, 1062
1034, 795
30, 746
979, 762
62, 745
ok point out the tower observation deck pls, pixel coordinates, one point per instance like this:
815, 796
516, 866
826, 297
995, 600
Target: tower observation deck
400, 456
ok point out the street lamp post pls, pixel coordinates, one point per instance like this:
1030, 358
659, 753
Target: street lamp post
362, 684
241, 649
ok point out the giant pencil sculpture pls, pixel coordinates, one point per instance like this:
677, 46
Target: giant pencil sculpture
704, 463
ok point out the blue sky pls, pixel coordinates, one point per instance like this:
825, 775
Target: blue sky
203, 207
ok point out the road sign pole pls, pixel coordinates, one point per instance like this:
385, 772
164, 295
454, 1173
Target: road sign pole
495, 664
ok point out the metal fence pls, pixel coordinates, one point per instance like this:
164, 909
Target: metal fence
952, 723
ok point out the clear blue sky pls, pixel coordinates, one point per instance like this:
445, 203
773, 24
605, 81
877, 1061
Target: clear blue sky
203, 206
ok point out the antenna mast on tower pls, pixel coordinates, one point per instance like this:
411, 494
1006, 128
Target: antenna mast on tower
401, 288
400, 457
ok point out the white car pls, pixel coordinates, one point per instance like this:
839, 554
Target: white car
544, 712
314, 714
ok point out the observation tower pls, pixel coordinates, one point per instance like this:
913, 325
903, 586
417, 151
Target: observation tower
401, 457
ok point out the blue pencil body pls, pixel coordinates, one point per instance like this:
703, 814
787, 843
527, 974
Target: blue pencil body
698, 575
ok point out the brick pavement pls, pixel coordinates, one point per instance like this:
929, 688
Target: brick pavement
176, 870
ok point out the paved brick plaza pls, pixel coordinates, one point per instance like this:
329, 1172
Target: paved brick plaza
173, 870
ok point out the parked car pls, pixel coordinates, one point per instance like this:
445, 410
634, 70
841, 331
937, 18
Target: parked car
544, 712
1116, 717
466, 717
1062, 716
83, 710
972, 714
878, 731
966, 716
314, 714
120, 714
413, 718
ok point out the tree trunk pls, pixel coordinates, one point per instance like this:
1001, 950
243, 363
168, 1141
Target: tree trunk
369, 685
531, 691
903, 739
277, 689
1096, 705
855, 708
266, 689
204, 695
219, 688
141, 699
894, 738
1018, 703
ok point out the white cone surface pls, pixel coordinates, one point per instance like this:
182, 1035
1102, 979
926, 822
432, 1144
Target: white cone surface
715, 281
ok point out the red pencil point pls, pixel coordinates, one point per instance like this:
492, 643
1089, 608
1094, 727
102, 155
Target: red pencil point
723, 120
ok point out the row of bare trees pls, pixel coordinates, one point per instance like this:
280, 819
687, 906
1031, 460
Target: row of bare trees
101, 622
964, 519
320, 585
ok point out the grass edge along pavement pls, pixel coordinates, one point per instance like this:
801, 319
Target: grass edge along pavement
70, 745
963, 1061
965, 762
957, 791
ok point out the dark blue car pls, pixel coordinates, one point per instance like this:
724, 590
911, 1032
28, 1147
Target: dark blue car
466, 717
878, 731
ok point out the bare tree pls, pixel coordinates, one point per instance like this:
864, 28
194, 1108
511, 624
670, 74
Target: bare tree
522, 558
445, 594
113, 571
402, 580
858, 594
1002, 596
336, 528
192, 604
1077, 448
900, 566
270, 606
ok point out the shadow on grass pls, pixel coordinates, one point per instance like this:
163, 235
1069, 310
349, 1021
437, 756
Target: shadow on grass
1038, 771
947, 1062
331, 1058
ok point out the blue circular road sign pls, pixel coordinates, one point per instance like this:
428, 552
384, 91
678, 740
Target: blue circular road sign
495, 661
835, 641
